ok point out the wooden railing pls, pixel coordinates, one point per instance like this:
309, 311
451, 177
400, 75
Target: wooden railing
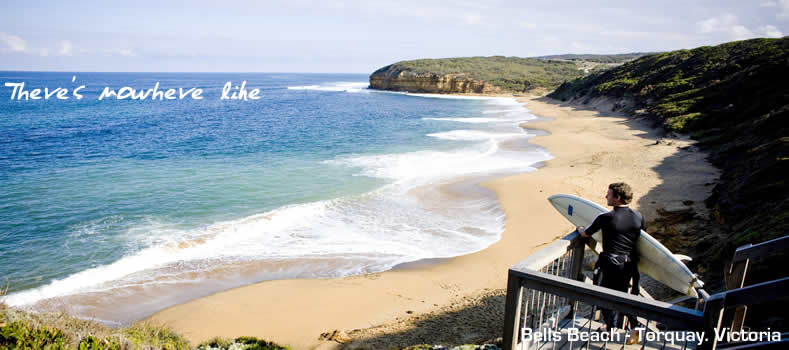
549, 287
735, 274
758, 294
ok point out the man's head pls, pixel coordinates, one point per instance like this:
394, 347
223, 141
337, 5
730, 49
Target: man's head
619, 193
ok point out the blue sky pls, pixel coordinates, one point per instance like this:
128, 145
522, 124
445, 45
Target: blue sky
356, 36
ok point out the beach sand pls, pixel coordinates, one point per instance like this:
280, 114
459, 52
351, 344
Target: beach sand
461, 299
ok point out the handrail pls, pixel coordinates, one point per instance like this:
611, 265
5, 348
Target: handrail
761, 250
561, 289
757, 294
735, 275
550, 252
673, 315
553, 279
571, 247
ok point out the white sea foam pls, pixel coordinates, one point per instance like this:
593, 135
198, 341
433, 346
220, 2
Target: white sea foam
377, 230
498, 111
475, 135
472, 120
336, 86
427, 166
502, 100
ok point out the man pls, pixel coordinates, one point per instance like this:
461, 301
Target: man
621, 229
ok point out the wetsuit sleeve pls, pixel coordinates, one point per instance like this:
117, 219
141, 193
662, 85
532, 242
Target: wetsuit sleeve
643, 224
598, 222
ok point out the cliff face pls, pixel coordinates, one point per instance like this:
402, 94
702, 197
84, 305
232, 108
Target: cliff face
479, 75
396, 79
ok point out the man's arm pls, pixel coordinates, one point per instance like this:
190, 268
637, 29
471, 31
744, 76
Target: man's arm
596, 224
643, 224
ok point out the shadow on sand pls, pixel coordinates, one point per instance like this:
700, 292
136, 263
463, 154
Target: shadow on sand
474, 320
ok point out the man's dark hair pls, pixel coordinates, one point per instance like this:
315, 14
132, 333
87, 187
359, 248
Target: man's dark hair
622, 191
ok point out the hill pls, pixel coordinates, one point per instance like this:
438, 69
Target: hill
733, 99
617, 58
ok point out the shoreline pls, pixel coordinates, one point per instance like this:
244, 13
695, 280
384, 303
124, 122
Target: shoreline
296, 312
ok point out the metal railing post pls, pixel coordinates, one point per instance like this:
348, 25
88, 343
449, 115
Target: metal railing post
735, 278
713, 315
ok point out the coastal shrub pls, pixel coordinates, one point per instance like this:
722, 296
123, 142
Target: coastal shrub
94, 343
617, 58
682, 122
216, 343
159, 337
24, 330
20, 335
252, 343
245, 343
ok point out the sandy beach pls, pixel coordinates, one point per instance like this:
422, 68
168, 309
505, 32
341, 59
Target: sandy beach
460, 299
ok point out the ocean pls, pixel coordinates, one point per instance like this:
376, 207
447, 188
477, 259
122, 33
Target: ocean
114, 209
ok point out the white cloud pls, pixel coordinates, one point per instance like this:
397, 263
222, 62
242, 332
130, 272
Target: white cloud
126, 52
739, 32
782, 5
13, 42
66, 48
770, 31
528, 25
472, 19
726, 25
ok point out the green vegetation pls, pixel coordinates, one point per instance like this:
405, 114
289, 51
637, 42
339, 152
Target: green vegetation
23, 330
246, 343
510, 73
20, 335
734, 99
618, 58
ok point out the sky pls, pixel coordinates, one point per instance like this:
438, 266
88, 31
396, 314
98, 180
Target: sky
356, 36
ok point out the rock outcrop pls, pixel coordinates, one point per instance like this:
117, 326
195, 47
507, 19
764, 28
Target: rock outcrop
394, 78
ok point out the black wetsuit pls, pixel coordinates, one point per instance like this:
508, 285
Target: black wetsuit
618, 262
621, 229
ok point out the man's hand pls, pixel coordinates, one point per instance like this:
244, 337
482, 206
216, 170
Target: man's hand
581, 231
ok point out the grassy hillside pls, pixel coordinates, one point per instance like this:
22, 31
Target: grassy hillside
618, 58
733, 98
510, 73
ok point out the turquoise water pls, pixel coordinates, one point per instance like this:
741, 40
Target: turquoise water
321, 177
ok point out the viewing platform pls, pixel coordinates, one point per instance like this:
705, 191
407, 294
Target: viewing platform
552, 304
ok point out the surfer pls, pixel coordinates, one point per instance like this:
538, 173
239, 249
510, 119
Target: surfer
618, 262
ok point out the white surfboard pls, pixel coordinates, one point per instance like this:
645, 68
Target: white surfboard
654, 259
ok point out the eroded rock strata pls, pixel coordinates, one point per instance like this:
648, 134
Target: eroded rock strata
394, 79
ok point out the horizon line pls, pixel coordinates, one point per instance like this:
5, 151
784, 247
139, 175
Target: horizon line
187, 72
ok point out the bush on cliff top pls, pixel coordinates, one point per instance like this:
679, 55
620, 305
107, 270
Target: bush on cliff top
617, 58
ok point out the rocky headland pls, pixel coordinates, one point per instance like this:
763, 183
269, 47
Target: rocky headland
396, 78
475, 75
